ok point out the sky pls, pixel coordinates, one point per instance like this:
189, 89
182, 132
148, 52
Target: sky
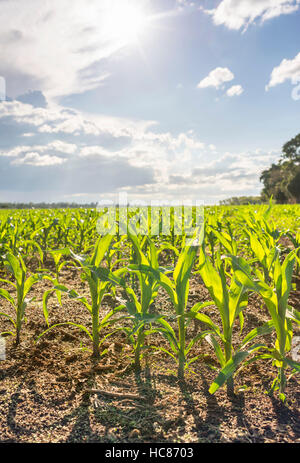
165, 100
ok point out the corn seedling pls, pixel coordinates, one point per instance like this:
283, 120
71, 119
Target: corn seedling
98, 279
275, 297
178, 291
22, 286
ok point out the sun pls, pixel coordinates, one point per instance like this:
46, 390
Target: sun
126, 22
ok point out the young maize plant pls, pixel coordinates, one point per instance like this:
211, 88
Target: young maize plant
99, 280
113, 255
85, 227
295, 239
231, 301
225, 240
16, 235
22, 286
4, 236
263, 237
275, 297
178, 291
265, 251
42, 235
139, 307
138, 310
63, 229
58, 262
213, 231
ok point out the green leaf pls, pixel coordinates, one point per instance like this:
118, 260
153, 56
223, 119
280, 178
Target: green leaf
204, 319
105, 274
287, 275
17, 267
197, 338
5, 294
46, 297
83, 328
162, 349
106, 320
292, 363
293, 314
265, 329
8, 282
163, 280
242, 272
9, 318
73, 295
230, 368
211, 279
228, 371
216, 346
30, 282
101, 248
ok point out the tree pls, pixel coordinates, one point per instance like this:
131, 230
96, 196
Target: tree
294, 185
291, 150
241, 201
282, 180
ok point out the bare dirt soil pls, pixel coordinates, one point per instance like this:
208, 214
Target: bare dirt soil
53, 391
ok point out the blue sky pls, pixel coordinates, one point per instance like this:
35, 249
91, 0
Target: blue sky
161, 99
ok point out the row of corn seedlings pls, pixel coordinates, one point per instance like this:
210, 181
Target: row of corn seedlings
134, 265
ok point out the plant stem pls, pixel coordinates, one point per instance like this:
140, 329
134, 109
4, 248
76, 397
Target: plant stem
181, 326
18, 335
137, 353
19, 320
228, 356
95, 322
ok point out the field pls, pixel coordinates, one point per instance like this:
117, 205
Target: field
131, 338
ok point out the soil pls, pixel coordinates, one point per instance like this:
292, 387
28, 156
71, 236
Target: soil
51, 390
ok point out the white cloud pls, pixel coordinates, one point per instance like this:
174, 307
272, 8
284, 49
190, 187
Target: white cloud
235, 90
57, 146
92, 151
185, 3
120, 154
60, 146
55, 120
35, 159
99, 137
237, 14
289, 69
216, 78
56, 47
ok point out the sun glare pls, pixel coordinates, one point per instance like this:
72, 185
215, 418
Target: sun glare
126, 22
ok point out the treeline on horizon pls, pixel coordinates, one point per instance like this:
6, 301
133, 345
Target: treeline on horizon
59, 205
235, 201
242, 200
